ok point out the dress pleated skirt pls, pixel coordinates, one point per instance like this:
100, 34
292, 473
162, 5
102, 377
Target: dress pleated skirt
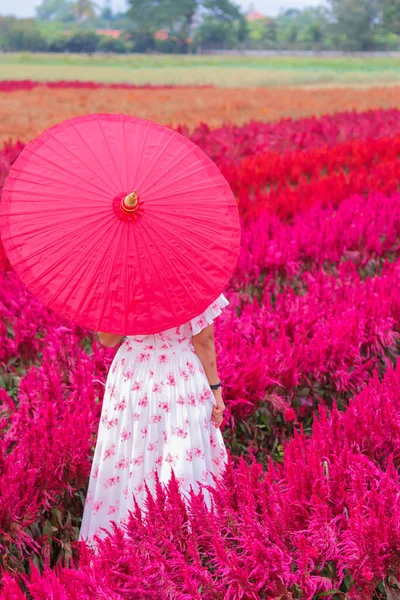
156, 416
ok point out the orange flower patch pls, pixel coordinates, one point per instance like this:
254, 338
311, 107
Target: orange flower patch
25, 114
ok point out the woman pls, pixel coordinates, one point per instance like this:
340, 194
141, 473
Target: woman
162, 410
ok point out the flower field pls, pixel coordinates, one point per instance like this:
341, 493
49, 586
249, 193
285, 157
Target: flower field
27, 108
309, 505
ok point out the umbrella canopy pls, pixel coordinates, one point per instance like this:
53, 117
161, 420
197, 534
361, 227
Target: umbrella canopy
119, 224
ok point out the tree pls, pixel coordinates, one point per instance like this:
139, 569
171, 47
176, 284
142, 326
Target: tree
5, 25
55, 10
85, 10
83, 41
313, 33
221, 24
149, 16
256, 30
391, 16
216, 33
178, 17
288, 27
23, 34
109, 44
223, 9
356, 21
314, 27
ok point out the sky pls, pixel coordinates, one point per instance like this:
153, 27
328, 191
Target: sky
26, 8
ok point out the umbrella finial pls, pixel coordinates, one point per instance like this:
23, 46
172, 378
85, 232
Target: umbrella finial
130, 201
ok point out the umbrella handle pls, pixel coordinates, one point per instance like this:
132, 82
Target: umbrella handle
130, 202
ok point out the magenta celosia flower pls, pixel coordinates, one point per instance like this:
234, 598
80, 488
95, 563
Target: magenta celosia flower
312, 323
289, 415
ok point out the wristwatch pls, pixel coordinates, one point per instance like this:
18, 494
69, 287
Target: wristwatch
216, 386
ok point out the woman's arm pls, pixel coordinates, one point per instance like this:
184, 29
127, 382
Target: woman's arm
204, 346
109, 339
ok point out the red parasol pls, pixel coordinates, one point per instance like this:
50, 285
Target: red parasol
119, 224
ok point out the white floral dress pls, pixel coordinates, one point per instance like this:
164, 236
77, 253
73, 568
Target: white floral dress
156, 416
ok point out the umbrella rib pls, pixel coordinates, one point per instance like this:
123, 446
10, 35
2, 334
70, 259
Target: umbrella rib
155, 159
185, 191
189, 246
140, 270
50, 245
110, 271
206, 227
95, 157
158, 271
98, 122
216, 209
198, 233
51, 196
75, 270
64, 170
53, 180
75, 157
172, 182
169, 168
125, 152
125, 280
142, 144
206, 277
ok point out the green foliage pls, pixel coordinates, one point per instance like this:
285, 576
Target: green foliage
148, 16
218, 20
55, 10
357, 20
256, 31
107, 44
21, 34
83, 41
386, 41
351, 25
391, 16
85, 10
215, 34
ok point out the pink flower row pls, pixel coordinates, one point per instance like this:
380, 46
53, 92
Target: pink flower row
329, 514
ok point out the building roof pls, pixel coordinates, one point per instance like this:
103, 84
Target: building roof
114, 33
161, 35
254, 16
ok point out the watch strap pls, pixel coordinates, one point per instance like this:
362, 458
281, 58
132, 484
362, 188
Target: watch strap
216, 386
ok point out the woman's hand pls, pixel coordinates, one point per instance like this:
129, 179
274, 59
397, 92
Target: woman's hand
218, 411
109, 340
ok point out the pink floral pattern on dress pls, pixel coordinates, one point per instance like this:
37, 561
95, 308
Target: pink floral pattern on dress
183, 374
123, 463
171, 379
110, 452
156, 417
112, 481
113, 508
121, 405
180, 432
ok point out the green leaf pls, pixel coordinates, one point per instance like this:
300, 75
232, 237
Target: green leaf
47, 528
